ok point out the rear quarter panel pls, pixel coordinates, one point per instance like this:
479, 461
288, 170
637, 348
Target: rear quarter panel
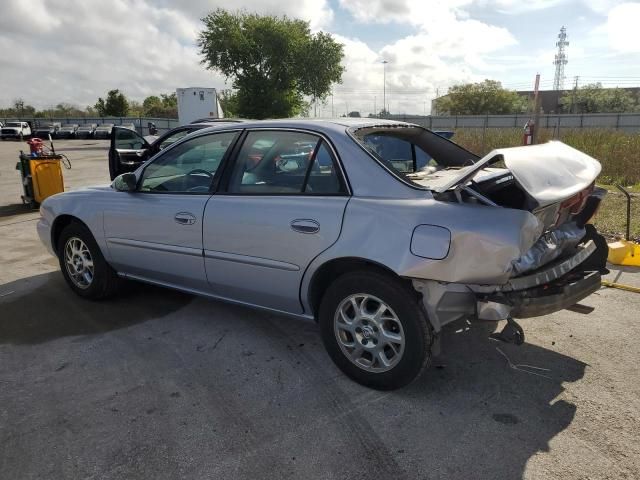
484, 240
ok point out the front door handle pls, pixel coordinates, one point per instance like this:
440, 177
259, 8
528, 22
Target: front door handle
185, 218
305, 225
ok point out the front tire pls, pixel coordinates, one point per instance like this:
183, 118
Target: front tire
375, 329
82, 264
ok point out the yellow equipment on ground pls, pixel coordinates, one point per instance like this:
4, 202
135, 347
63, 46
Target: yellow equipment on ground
41, 177
625, 252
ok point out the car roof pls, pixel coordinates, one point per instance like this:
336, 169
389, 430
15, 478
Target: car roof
328, 126
218, 120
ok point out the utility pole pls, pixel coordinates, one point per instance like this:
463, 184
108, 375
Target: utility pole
536, 113
435, 104
384, 86
560, 60
375, 111
332, 112
574, 107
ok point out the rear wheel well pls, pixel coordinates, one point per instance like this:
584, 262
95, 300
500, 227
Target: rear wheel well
59, 224
331, 270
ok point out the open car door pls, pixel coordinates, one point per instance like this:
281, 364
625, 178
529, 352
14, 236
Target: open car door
127, 151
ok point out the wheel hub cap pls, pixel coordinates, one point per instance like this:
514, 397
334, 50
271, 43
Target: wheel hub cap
369, 332
79, 262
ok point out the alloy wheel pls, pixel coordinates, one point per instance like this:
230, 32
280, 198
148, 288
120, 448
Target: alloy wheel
79, 262
369, 332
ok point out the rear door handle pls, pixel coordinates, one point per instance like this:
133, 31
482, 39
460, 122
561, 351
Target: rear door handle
185, 218
305, 225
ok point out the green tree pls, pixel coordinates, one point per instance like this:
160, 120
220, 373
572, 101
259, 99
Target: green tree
116, 105
135, 109
273, 61
592, 98
164, 106
229, 102
483, 98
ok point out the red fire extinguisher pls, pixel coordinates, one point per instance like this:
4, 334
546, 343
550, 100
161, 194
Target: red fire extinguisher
529, 127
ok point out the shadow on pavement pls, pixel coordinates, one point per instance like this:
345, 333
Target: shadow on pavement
244, 394
498, 403
15, 209
42, 308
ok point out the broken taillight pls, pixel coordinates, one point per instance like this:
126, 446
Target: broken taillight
573, 205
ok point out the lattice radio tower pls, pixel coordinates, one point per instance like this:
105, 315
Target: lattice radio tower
561, 60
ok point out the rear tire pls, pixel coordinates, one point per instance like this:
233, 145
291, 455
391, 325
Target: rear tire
82, 264
375, 329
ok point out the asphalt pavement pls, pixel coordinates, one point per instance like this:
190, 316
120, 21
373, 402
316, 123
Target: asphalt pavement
159, 384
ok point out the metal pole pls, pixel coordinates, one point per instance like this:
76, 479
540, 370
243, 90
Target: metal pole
626, 194
384, 86
536, 112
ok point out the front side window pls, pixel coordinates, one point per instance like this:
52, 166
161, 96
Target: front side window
188, 167
128, 140
282, 162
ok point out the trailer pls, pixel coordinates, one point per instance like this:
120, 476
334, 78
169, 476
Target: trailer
197, 102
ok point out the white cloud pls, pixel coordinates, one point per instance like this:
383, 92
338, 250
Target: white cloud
622, 28
74, 51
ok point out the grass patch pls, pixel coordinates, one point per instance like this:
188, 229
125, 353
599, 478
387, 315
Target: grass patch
612, 216
617, 151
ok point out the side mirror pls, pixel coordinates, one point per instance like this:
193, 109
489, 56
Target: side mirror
125, 182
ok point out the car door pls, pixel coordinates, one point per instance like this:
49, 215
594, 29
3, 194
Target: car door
155, 232
281, 204
127, 151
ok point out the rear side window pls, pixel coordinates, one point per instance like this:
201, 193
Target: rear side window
411, 152
273, 162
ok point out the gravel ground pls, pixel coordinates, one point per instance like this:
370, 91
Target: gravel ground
159, 384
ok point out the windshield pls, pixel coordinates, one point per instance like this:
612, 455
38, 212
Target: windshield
412, 152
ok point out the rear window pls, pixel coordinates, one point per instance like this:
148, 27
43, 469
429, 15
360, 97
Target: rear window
411, 151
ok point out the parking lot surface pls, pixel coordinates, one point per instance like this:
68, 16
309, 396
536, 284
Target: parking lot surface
159, 384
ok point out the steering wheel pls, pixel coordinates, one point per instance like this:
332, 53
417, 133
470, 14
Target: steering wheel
200, 188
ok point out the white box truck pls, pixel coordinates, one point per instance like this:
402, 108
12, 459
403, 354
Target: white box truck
197, 102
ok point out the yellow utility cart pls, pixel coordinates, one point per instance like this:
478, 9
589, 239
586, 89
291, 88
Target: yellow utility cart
41, 177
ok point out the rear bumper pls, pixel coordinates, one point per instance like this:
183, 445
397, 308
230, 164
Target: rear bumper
559, 285
536, 302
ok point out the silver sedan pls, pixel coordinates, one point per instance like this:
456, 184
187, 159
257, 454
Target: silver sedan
382, 232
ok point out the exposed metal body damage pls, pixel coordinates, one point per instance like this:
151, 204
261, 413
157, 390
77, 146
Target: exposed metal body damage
557, 182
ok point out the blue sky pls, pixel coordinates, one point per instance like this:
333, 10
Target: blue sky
147, 47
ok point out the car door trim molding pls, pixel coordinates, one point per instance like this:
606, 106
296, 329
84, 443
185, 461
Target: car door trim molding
249, 260
160, 247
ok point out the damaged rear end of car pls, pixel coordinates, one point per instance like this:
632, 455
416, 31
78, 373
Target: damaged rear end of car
518, 241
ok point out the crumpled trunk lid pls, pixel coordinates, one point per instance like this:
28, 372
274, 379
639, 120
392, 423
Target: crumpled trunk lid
549, 173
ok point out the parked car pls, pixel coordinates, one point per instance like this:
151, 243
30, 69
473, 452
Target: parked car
103, 131
15, 130
44, 131
381, 257
67, 131
128, 149
86, 131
